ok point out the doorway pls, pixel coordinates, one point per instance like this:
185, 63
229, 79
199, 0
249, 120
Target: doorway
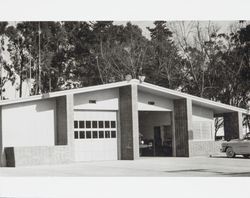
155, 134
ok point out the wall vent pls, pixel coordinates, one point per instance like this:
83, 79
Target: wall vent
151, 102
92, 101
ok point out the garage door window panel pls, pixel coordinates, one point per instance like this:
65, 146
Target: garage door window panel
95, 134
82, 134
113, 124
81, 124
75, 124
113, 134
100, 123
88, 134
88, 124
76, 134
107, 124
101, 134
107, 134
94, 124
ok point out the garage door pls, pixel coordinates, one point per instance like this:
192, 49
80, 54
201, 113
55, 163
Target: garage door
95, 135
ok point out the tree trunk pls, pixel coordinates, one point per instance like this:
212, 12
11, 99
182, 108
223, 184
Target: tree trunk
21, 75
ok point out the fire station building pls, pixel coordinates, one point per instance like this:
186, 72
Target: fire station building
116, 121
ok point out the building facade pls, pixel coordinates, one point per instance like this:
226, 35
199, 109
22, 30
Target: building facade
108, 122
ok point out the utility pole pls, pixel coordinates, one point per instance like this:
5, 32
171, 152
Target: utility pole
39, 58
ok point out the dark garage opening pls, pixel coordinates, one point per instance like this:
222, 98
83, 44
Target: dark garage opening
156, 134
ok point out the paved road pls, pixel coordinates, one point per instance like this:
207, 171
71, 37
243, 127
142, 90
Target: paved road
161, 166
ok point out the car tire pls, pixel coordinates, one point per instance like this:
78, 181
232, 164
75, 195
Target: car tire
230, 152
246, 156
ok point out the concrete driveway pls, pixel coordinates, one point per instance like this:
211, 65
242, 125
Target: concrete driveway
160, 167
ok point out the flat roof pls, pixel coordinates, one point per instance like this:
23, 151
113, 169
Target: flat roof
218, 107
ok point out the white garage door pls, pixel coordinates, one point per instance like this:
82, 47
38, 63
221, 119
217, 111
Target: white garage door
95, 135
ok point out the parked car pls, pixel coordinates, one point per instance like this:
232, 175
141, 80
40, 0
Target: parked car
237, 147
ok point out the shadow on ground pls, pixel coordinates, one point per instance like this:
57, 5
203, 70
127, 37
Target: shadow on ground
218, 173
225, 157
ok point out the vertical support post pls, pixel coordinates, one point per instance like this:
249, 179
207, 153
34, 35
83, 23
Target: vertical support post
173, 134
129, 125
65, 122
70, 124
61, 117
183, 126
233, 128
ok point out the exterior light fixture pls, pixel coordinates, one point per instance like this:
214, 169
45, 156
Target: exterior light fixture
142, 78
128, 77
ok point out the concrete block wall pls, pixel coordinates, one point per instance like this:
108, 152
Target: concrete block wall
47, 154
183, 126
129, 126
37, 155
204, 148
233, 125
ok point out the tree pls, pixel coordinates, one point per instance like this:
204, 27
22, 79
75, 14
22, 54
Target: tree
198, 48
119, 51
81, 63
3, 26
165, 67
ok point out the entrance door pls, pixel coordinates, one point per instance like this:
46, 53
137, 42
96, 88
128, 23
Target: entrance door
157, 141
163, 141
95, 135
167, 140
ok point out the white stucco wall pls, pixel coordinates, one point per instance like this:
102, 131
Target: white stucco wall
148, 120
203, 123
161, 103
29, 124
105, 100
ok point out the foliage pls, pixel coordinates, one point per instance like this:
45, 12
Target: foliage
198, 60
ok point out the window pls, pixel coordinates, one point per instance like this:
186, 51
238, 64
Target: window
94, 134
76, 134
94, 124
75, 124
107, 134
88, 124
107, 124
82, 134
88, 129
100, 124
113, 124
101, 134
88, 134
113, 134
81, 124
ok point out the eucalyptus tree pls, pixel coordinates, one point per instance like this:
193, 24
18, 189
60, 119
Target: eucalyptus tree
3, 26
165, 63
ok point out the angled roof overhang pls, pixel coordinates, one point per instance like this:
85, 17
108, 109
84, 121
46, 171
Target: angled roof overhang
217, 107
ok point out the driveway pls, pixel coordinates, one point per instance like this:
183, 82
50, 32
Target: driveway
160, 167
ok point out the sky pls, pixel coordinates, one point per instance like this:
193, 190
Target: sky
224, 25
